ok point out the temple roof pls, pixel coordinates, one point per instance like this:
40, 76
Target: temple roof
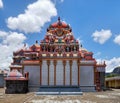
83, 50
113, 78
15, 75
58, 40
59, 24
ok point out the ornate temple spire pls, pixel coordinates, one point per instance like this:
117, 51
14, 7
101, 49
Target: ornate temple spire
59, 22
36, 42
59, 18
24, 45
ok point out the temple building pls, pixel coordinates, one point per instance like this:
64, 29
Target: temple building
113, 82
16, 83
59, 61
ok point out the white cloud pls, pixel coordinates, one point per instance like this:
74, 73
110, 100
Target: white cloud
1, 4
34, 18
101, 36
117, 39
111, 63
57, 1
3, 34
97, 54
14, 38
61, 1
10, 41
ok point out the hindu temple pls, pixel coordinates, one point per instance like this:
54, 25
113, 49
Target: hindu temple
59, 60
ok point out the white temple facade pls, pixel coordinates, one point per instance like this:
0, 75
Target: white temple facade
59, 61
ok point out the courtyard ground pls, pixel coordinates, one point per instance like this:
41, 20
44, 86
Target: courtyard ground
112, 96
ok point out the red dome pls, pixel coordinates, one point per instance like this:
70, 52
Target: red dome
59, 23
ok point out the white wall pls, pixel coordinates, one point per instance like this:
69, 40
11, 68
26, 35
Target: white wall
67, 73
51, 78
44, 73
101, 69
59, 73
34, 74
74, 73
86, 76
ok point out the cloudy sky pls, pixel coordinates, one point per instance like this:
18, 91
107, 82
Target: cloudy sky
96, 23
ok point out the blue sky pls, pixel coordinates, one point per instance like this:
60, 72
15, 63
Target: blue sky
95, 23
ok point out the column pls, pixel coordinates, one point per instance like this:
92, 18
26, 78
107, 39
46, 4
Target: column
95, 74
70, 63
78, 72
40, 72
48, 63
55, 63
64, 64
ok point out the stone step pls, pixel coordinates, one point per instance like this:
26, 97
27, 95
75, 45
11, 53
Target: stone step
59, 90
58, 93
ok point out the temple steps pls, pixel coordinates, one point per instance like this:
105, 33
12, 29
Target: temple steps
59, 90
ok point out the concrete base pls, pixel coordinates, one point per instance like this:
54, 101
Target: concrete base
59, 93
16, 86
59, 90
1, 80
87, 88
33, 88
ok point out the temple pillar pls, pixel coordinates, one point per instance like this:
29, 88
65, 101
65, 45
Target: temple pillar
95, 74
78, 62
48, 64
70, 63
55, 63
64, 65
40, 72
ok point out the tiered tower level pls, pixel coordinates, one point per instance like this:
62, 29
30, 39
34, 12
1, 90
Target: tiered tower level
59, 60
59, 40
